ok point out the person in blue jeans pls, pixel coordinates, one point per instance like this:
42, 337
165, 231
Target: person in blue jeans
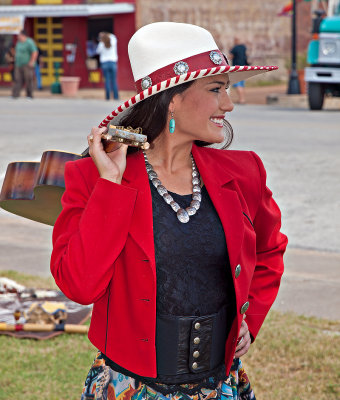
107, 50
109, 69
37, 69
239, 56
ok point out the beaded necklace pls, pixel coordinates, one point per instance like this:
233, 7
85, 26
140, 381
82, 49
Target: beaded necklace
183, 215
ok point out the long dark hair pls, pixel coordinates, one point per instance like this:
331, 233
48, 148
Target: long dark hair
151, 115
106, 40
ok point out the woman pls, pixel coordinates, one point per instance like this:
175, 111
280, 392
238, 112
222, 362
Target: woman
107, 50
182, 267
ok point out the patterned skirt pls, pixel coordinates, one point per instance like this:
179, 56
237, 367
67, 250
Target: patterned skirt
103, 383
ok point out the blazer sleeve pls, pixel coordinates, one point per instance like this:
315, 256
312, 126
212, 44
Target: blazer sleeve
89, 234
270, 247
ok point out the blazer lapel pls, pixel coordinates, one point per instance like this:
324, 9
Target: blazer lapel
223, 191
141, 229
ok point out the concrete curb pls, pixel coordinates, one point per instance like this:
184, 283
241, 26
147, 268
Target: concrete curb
270, 95
300, 101
310, 285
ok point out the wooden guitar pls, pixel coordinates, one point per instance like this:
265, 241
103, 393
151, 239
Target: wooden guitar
33, 190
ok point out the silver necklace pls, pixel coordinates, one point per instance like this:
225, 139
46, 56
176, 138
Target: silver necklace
183, 215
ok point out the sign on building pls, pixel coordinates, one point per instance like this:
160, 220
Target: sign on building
11, 24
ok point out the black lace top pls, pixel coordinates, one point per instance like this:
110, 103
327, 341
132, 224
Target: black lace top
193, 274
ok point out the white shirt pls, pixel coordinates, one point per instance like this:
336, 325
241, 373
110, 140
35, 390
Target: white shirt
108, 54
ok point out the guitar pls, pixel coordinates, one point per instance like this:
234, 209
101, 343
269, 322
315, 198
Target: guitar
33, 190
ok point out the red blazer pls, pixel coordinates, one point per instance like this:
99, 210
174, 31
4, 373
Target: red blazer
103, 249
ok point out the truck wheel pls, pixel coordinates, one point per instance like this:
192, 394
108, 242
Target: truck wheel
316, 94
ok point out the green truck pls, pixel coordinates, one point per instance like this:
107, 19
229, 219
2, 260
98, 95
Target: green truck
323, 56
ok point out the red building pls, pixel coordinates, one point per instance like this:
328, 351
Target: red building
66, 32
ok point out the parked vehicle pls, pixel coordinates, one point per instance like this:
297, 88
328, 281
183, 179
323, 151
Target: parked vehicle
323, 55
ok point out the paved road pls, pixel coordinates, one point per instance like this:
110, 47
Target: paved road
299, 148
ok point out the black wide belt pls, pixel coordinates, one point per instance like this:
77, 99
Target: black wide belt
191, 345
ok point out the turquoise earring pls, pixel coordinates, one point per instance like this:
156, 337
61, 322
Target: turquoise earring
172, 123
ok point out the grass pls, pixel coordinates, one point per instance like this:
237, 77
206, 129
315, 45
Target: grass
293, 358
29, 280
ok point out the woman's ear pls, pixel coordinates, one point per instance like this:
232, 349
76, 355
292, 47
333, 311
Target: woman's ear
172, 106
175, 102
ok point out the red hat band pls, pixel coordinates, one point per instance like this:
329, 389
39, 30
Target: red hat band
198, 62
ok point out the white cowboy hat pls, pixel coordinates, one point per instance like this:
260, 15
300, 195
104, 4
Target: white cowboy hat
165, 54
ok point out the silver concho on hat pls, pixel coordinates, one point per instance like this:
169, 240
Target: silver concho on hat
181, 68
215, 57
146, 82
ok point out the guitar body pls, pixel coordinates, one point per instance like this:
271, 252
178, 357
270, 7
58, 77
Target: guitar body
33, 190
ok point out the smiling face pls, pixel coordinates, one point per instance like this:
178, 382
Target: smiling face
200, 110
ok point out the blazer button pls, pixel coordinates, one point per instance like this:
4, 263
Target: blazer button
194, 365
197, 326
197, 340
245, 307
196, 354
237, 271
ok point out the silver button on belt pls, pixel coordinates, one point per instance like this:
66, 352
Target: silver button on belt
196, 354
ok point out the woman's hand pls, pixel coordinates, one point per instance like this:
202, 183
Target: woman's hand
111, 166
244, 341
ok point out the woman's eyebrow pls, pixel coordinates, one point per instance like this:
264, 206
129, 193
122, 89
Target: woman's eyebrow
219, 83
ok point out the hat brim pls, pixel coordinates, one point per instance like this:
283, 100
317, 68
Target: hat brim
236, 74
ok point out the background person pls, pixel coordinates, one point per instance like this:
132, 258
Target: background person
107, 50
178, 247
10, 59
38, 66
26, 54
92, 56
239, 57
